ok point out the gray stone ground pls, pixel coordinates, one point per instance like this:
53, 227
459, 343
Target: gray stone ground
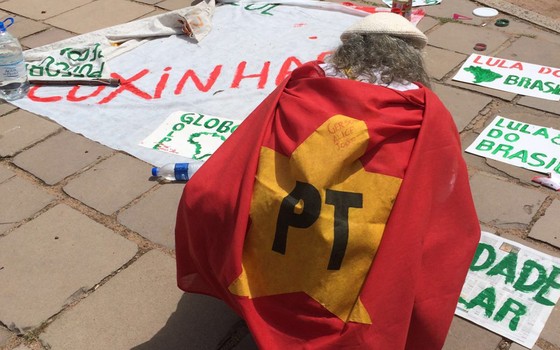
87, 269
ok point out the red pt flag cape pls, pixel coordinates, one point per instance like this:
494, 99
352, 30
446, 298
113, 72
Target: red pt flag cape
337, 216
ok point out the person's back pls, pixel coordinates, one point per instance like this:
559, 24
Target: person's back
329, 218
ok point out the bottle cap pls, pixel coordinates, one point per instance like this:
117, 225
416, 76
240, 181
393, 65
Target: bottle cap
4, 26
502, 22
480, 47
155, 171
485, 12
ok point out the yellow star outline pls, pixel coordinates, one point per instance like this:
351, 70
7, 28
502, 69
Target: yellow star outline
326, 166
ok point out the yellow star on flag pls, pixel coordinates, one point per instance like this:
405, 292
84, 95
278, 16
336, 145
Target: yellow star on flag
317, 219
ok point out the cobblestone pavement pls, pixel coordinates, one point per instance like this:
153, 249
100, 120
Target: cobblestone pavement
82, 268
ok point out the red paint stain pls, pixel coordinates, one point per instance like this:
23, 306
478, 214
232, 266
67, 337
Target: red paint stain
313, 37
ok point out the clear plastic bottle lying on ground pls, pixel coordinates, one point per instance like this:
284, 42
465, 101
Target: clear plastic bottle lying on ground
13, 75
177, 171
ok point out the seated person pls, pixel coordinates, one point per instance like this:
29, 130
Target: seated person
339, 214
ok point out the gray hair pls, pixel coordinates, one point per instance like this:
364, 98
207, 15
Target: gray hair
380, 58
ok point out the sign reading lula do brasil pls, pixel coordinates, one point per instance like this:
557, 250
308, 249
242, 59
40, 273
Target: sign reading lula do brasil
512, 76
520, 144
510, 289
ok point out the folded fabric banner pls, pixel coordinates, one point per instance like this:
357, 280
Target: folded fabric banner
337, 216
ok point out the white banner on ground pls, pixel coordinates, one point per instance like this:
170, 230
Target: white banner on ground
510, 289
520, 144
513, 76
250, 50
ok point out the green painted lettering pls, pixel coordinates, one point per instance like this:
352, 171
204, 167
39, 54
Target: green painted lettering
486, 299
537, 84
225, 126
499, 123
549, 283
524, 82
495, 133
506, 268
526, 271
178, 127
537, 157
541, 132
490, 258
485, 145
511, 80
550, 86
511, 137
211, 123
522, 155
196, 122
187, 118
516, 308
503, 148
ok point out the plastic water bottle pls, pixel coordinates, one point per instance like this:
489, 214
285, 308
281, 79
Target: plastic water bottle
13, 74
177, 171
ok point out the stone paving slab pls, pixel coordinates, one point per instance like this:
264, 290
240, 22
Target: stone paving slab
40, 9
524, 115
539, 103
5, 173
470, 35
551, 331
99, 14
141, 308
440, 62
515, 346
52, 260
521, 174
427, 23
534, 51
20, 199
60, 156
23, 27
5, 335
504, 204
464, 335
154, 216
463, 105
111, 184
6, 107
173, 4
446, 9
516, 26
48, 36
149, 2
21, 129
547, 228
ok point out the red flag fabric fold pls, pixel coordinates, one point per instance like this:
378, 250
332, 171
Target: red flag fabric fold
337, 216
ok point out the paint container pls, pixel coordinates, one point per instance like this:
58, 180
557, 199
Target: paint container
403, 8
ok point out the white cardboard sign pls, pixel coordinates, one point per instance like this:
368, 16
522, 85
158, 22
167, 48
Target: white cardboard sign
192, 135
512, 76
510, 289
520, 144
